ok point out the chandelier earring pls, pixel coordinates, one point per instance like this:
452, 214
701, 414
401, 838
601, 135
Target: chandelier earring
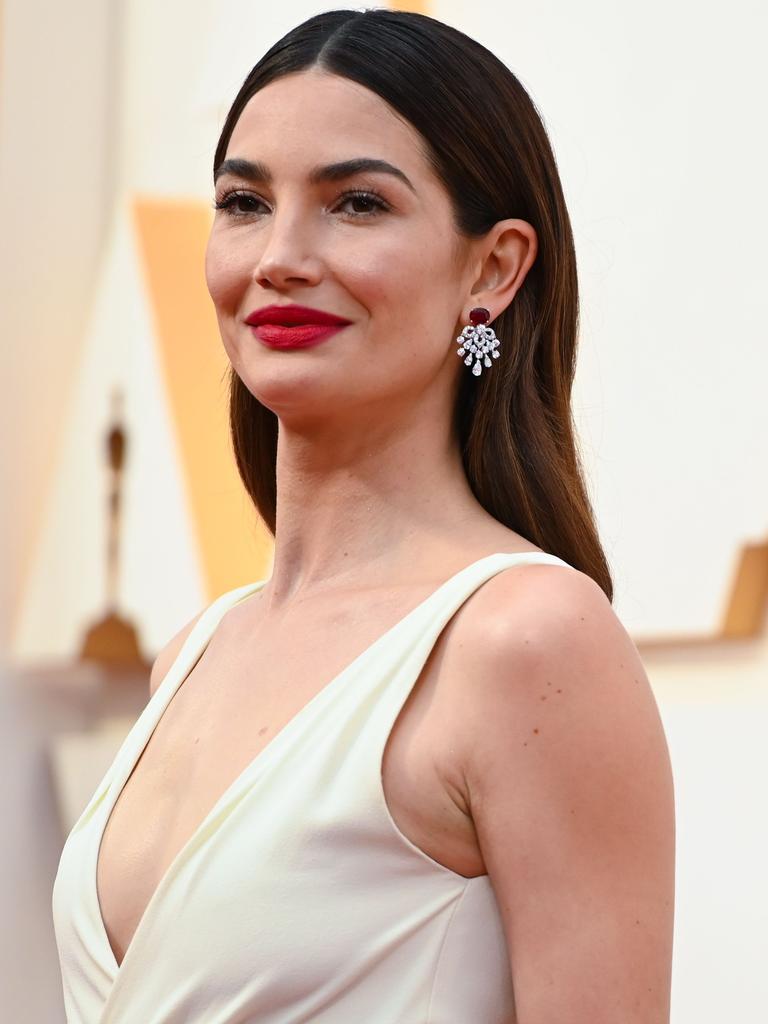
478, 341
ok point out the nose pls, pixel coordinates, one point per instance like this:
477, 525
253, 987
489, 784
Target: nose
289, 253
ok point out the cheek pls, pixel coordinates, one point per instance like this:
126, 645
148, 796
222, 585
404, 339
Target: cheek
410, 292
390, 281
225, 274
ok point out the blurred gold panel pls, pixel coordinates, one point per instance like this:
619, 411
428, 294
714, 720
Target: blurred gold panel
233, 545
748, 600
418, 6
746, 606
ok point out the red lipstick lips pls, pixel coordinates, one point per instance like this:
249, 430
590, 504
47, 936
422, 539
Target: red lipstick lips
293, 326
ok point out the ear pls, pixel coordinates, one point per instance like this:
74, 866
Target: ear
506, 254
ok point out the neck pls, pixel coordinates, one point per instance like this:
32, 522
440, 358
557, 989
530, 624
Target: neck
366, 506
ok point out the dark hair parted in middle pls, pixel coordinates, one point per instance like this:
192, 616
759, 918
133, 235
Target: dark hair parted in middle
487, 143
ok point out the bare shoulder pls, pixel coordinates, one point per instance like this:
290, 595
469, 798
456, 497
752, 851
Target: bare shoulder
169, 653
568, 782
543, 592
542, 616
531, 639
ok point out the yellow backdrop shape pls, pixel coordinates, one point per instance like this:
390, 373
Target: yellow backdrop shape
234, 546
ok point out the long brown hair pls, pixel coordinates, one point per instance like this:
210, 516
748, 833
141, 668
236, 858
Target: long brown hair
488, 145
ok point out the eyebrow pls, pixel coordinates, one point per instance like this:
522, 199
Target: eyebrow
257, 172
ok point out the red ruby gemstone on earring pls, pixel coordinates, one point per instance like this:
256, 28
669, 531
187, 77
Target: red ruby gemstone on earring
479, 315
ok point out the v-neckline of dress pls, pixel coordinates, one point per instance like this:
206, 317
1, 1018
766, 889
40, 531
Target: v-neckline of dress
118, 783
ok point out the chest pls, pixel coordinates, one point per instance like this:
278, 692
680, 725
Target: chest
237, 698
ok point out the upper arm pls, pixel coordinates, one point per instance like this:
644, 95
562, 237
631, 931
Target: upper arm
168, 654
569, 784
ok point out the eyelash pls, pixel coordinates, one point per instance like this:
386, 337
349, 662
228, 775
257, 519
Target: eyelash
227, 201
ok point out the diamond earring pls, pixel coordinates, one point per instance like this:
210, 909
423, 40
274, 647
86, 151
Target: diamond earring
478, 340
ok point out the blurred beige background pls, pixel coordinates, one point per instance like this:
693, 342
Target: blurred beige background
109, 115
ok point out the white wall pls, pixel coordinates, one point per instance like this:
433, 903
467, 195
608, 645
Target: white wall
57, 172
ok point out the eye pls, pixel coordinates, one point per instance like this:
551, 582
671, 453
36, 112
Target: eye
244, 204
231, 200
376, 204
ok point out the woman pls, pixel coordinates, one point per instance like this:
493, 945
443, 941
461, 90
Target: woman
418, 775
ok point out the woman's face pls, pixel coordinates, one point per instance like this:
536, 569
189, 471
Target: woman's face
389, 259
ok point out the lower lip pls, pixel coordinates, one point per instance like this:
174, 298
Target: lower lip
298, 336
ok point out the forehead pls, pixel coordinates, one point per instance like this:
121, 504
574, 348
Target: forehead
316, 113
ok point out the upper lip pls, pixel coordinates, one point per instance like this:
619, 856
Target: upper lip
289, 315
